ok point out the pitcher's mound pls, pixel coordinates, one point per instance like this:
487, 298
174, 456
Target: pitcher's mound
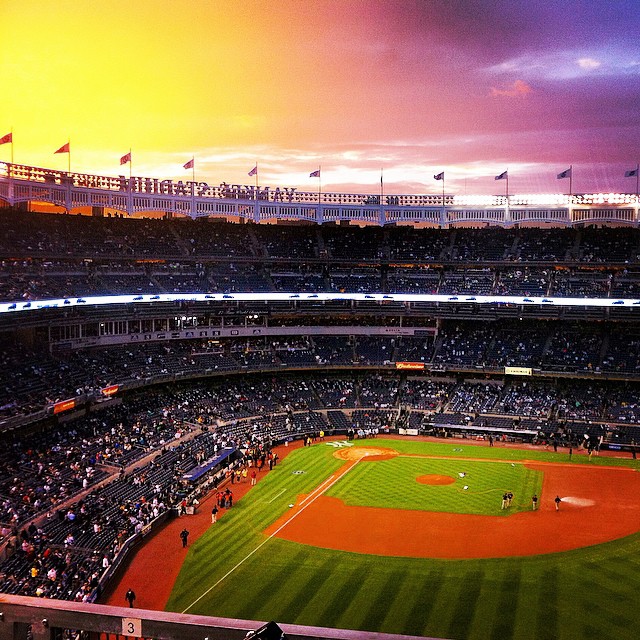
435, 479
365, 453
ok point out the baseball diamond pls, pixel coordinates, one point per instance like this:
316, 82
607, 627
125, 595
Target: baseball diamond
410, 561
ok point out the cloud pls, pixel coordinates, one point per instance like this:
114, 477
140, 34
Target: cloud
518, 88
589, 63
567, 64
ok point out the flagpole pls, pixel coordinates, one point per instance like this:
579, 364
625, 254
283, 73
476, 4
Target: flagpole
381, 186
69, 157
130, 168
506, 210
319, 184
193, 171
570, 180
637, 176
440, 176
11, 145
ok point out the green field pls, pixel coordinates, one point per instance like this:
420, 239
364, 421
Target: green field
235, 571
392, 484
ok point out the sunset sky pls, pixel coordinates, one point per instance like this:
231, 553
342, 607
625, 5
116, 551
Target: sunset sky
468, 87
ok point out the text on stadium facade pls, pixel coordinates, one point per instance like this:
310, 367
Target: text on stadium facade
202, 189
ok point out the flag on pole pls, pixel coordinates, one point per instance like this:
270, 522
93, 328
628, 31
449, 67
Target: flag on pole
632, 173
439, 176
125, 158
315, 174
564, 174
65, 148
189, 165
6, 139
502, 176
254, 171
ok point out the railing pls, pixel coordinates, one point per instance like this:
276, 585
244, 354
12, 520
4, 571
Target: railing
23, 618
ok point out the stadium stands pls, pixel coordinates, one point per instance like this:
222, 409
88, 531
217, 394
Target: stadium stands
191, 379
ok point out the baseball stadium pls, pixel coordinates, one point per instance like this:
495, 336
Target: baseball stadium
335, 417
319, 320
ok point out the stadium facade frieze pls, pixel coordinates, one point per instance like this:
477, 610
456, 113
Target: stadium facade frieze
135, 194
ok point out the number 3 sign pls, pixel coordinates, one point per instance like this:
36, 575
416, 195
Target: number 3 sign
132, 627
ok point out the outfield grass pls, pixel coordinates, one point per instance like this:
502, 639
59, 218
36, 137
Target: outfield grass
592, 592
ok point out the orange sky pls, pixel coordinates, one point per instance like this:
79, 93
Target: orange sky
352, 85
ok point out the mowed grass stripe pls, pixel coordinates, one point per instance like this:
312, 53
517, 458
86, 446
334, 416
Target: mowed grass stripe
337, 573
508, 592
287, 595
347, 583
446, 606
609, 625
486, 606
547, 606
465, 607
551, 598
417, 622
306, 599
267, 588
376, 611
609, 576
406, 598
357, 609
623, 609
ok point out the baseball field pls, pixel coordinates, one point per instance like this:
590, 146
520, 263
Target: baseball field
400, 536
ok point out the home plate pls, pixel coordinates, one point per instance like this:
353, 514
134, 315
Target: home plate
579, 502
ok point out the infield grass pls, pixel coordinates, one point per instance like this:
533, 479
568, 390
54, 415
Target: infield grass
586, 593
477, 488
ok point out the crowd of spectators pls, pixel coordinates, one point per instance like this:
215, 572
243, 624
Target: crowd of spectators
25, 280
57, 256
33, 379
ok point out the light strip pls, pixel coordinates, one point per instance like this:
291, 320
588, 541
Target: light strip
98, 301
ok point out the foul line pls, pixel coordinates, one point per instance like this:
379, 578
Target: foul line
274, 497
318, 491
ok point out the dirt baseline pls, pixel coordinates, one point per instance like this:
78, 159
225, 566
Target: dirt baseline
365, 453
600, 504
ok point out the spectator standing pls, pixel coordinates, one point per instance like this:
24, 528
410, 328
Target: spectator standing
130, 597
